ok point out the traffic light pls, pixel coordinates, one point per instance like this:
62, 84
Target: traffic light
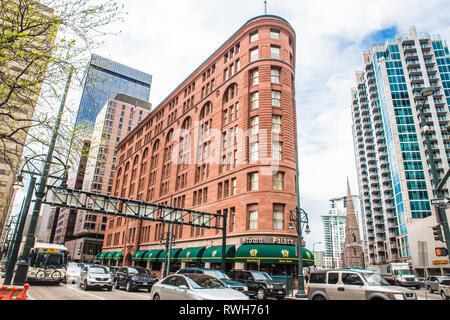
441, 252
437, 232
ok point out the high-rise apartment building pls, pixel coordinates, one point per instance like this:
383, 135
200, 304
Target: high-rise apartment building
103, 81
222, 142
391, 155
115, 120
334, 229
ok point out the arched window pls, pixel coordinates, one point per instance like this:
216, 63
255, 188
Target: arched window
230, 93
187, 123
206, 110
353, 238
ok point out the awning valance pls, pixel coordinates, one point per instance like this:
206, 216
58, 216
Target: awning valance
101, 255
191, 254
214, 254
173, 255
118, 256
274, 254
152, 255
110, 255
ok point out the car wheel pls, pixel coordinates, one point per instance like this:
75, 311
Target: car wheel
129, 289
156, 297
261, 294
318, 297
444, 296
430, 290
110, 288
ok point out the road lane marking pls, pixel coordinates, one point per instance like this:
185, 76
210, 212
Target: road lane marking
84, 292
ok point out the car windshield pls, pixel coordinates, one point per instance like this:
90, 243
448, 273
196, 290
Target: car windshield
216, 273
205, 282
97, 270
446, 282
404, 272
73, 270
374, 279
136, 270
261, 276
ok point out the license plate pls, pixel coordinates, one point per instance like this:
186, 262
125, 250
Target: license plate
145, 283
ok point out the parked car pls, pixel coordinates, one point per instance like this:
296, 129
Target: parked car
113, 271
72, 274
444, 289
354, 284
239, 286
193, 286
134, 278
433, 282
259, 284
95, 277
422, 281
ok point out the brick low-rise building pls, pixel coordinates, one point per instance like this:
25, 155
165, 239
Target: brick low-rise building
222, 142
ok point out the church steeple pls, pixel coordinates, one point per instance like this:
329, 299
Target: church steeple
353, 255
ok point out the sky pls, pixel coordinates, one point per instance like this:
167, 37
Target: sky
169, 39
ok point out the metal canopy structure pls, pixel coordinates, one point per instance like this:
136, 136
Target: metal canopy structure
135, 209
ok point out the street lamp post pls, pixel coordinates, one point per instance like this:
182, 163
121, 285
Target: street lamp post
22, 269
441, 214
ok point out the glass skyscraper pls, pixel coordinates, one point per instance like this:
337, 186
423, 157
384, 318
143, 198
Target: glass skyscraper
104, 80
391, 155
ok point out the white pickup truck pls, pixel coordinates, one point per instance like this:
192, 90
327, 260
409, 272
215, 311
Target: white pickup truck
398, 274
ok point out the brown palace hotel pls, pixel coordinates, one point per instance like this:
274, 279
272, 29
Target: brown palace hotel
222, 142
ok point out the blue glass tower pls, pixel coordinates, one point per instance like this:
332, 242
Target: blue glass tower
391, 154
104, 80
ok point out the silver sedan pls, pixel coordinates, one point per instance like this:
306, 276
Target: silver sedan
194, 287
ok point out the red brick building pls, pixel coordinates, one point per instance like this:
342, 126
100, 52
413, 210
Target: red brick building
222, 141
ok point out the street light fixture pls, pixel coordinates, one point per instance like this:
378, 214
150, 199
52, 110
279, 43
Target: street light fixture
18, 185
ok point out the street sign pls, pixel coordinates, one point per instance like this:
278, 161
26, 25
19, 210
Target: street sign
439, 202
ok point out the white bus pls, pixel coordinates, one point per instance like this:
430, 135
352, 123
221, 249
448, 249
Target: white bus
48, 263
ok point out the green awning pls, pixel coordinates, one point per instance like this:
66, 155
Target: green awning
118, 256
276, 254
110, 255
101, 255
191, 255
173, 255
152, 255
138, 255
214, 254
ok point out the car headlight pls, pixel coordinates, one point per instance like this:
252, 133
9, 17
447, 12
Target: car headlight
269, 286
134, 278
398, 296
245, 288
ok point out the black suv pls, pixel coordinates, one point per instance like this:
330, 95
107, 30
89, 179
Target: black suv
259, 283
134, 278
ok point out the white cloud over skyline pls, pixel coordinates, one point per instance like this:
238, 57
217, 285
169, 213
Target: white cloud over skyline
170, 39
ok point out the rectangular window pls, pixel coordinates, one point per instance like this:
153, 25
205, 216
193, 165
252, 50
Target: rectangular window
233, 187
274, 34
254, 54
253, 184
277, 151
275, 52
254, 123
278, 181
253, 219
276, 124
275, 75
254, 100
254, 36
278, 217
254, 153
276, 98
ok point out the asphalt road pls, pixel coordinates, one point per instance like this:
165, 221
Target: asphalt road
73, 292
